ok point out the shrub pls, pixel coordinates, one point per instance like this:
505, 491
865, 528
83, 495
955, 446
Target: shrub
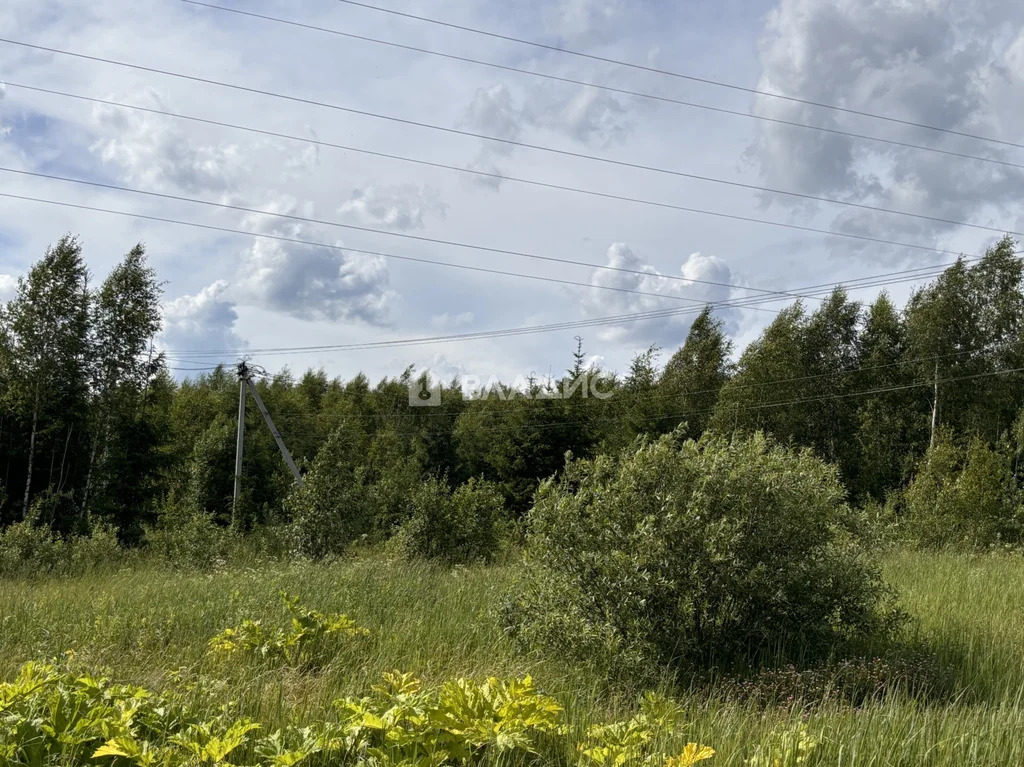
689, 552
453, 527
189, 539
392, 470
97, 550
27, 548
331, 508
965, 496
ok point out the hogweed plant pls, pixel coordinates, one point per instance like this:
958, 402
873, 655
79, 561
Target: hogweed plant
51, 715
309, 637
635, 741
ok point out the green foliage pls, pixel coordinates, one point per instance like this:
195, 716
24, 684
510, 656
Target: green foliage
694, 376
310, 636
635, 740
458, 723
392, 474
785, 748
891, 423
209, 487
189, 539
331, 508
965, 496
51, 715
30, 549
684, 553
453, 527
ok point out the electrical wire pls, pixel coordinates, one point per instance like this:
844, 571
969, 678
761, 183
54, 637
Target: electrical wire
512, 142
600, 86
344, 248
481, 173
403, 235
667, 397
864, 283
682, 76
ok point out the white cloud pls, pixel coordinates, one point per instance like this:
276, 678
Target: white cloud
311, 282
8, 286
588, 115
935, 62
448, 321
154, 152
205, 320
668, 330
401, 207
586, 21
4, 130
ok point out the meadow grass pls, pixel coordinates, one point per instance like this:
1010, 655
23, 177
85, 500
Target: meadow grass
146, 623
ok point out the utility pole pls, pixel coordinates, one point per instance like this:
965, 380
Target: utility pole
243, 374
245, 382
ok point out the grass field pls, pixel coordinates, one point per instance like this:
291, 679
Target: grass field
145, 623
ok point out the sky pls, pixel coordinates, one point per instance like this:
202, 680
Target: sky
954, 65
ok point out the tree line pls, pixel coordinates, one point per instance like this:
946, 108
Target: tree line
94, 428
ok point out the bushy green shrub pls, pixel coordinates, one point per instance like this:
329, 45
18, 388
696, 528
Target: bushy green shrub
189, 539
965, 496
27, 548
331, 508
690, 552
392, 472
452, 527
97, 550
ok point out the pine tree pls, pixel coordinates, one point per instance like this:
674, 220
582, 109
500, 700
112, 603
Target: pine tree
829, 349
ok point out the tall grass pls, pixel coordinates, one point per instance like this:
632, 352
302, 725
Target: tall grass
145, 623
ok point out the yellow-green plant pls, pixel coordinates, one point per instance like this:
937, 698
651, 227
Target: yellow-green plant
455, 724
310, 634
51, 715
637, 741
785, 748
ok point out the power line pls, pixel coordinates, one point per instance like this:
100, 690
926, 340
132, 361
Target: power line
759, 406
485, 174
682, 76
343, 248
540, 425
512, 142
861, 283
667, 397
404, 235
603, 87
313, 243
